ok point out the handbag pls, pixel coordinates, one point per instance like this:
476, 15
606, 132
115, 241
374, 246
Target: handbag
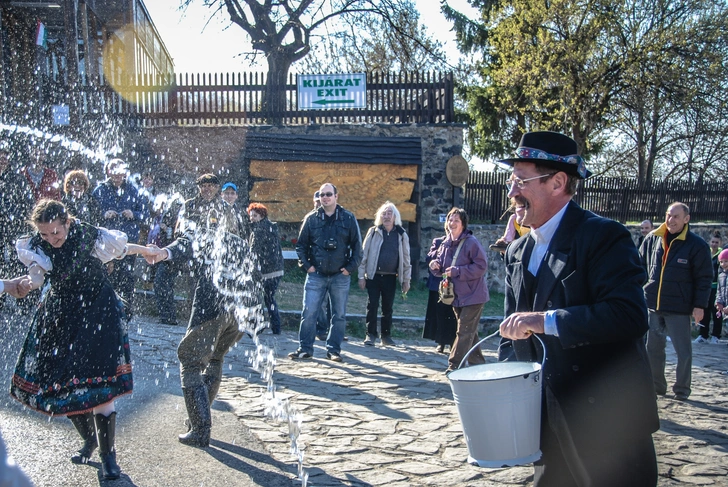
446, 288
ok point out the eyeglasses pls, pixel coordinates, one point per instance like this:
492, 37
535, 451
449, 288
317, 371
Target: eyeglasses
326, 195
76, 183
521, 183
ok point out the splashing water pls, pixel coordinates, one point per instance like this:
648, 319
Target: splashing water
65, 142
236, 274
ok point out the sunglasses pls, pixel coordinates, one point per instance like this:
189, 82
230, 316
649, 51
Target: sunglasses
326, 195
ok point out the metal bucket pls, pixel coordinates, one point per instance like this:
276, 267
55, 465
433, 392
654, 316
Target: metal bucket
500, 411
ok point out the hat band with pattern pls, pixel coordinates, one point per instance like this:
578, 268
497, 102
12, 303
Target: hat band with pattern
577, 160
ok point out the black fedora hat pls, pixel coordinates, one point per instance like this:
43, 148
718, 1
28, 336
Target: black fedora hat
550, 149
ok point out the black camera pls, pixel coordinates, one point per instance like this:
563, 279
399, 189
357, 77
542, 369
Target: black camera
330, 244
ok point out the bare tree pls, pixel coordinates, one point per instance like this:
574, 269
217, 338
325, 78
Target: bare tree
282, 31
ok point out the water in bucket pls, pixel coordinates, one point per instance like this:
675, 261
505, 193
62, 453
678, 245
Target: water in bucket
500, 411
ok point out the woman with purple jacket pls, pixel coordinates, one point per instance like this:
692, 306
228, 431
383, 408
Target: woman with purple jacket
462, 260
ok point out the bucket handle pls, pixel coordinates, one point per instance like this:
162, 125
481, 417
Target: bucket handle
497, 332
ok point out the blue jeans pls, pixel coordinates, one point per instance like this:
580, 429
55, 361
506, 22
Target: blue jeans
314, 292
323, 323
270, 286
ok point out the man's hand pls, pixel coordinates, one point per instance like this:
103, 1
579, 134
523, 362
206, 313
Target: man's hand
155, 254
434, 265
128, 214
362, 283
110, 215
311, 270
405, 287
521, 325
698, 315
12, 288
719, 307
344, 271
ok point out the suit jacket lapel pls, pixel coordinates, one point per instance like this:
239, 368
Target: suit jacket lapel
552, 267
522, 250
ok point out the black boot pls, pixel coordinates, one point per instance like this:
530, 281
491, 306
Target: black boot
198, 411
105, 433
212, 382
84, 424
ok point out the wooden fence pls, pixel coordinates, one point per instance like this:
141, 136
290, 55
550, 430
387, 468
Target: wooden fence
237, 98
620, 199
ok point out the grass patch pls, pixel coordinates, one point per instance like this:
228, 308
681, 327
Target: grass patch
290, 297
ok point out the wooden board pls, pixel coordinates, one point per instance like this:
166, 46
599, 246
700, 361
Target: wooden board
287, 188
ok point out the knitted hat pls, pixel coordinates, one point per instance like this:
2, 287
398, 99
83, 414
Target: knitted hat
723, 255
207, 179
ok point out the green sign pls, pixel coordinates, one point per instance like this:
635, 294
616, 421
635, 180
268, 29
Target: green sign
318, 91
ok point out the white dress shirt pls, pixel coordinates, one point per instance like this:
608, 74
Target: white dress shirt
542, 237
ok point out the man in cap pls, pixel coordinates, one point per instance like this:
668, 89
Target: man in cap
230, 193
217, 242
121, 207
575, 281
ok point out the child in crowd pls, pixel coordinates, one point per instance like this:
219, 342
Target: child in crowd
721, 296
514, 229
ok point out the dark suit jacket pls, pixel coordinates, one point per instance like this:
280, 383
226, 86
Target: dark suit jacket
598, 385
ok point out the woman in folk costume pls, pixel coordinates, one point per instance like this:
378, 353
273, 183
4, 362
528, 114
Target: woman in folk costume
75, 361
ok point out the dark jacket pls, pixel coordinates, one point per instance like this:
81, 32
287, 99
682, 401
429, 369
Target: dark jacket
433, 282
329, 246
684, 281
84, 208
468, 273
16, 201
126, 197
266, 245
216, 242
597, 380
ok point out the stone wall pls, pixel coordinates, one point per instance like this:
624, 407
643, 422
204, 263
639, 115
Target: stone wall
185, 152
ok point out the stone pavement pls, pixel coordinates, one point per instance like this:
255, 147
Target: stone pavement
385, 416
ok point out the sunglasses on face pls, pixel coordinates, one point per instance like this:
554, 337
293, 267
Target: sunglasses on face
326, 195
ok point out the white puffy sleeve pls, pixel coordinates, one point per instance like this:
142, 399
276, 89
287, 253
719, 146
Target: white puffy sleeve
111, 244
30, 257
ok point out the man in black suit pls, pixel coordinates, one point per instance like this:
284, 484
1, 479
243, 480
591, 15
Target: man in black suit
576, 281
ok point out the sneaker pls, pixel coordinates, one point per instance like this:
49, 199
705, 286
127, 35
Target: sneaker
700, 340
714, 341
299, 355
388, 342
681, 397
369, 341
333, 356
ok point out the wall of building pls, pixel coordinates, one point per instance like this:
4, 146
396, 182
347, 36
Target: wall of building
186, 152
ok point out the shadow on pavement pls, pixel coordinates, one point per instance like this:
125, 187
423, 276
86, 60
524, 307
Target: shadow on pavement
711, 436
229, 454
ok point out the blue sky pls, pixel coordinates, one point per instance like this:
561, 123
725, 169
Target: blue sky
213, 48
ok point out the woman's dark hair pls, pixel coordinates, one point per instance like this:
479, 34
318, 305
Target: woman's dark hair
461, 213
259, 209
47, 211
716, 234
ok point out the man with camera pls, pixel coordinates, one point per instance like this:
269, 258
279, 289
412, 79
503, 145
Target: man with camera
329, 248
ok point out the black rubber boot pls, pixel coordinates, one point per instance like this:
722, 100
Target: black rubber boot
85, 426
212, 379
198, 411
105, 435
212, 382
